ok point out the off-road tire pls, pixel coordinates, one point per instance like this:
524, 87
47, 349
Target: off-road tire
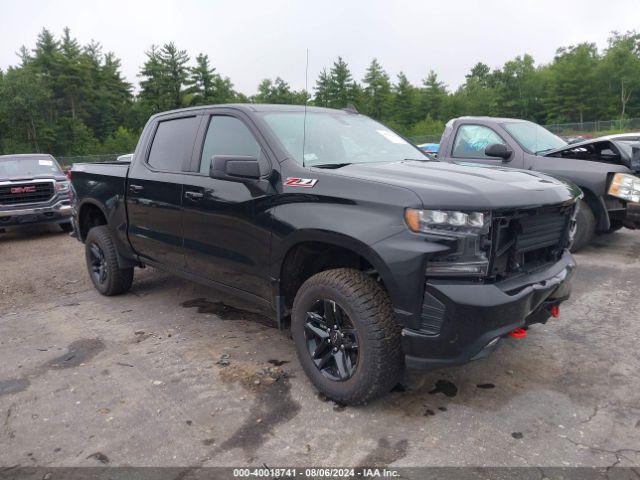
66, 227
585, 227
380, 357
118, 280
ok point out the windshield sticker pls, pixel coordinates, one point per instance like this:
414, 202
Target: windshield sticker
45, 163
300, 182
392, 137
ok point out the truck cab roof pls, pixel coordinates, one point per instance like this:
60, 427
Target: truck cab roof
255, 108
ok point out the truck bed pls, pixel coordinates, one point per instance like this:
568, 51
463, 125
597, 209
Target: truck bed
99, 180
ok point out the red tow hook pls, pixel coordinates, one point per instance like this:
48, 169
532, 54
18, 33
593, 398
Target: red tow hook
518, 333
555, 311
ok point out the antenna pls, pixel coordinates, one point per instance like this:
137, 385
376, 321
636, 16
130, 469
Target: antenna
306, 100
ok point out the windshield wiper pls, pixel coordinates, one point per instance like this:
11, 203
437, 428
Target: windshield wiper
330, 165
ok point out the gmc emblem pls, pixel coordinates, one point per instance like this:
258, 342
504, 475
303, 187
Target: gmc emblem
27, 189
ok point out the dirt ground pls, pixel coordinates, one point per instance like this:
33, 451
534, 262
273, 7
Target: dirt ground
173, 374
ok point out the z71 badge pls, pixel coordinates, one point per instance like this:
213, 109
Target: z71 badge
300, 182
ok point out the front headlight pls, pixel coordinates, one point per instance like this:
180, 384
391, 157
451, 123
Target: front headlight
465, 233
426, 221
63, 186
626, 187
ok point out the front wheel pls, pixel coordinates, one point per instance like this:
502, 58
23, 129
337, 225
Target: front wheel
102, 263
585, 227
346, 337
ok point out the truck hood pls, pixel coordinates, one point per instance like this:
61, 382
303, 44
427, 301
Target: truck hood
602, 150
450, 186
27, 178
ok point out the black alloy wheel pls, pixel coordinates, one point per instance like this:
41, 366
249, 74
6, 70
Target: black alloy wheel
332, 340
99, 267
346, 336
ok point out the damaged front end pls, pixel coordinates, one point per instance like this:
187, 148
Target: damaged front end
602, 150
623, 188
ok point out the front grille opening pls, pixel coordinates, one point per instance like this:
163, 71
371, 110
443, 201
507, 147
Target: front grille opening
527, 240
26, 193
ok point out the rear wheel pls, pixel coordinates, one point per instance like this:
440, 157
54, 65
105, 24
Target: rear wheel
346, 337
102, 263
585, 227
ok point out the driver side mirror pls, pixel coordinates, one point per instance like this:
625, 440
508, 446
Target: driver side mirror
498, 150
234, 167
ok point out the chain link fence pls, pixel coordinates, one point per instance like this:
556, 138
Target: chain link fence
597, 128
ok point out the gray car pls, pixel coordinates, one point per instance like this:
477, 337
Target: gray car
605, 169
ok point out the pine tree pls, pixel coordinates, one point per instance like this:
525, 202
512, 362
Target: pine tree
342, 90
376, 91
321, 98
175, 74
202, 81
433, 96
405, 102
73, 79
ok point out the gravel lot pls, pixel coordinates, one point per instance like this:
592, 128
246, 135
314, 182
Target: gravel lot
141, 379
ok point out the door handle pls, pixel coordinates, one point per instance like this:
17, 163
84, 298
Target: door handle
135, 188
193, 196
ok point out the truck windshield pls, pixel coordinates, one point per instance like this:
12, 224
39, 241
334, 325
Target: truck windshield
337, 139
534, 138
27, 167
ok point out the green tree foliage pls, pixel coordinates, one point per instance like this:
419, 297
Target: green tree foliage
620, 69
278, 91
342, 90
63, 98
574, 88
433, 96
122, 140
321, 98
71, 99
164, 77
206, 87
376, 91
405, 104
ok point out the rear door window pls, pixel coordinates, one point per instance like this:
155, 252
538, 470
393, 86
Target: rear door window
173, 143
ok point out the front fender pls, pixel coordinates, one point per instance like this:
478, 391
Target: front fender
380, 236
334, 238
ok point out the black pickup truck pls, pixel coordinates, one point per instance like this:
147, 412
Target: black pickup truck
606, 168
34, 190
374, 255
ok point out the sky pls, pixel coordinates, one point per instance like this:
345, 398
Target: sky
252, 40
